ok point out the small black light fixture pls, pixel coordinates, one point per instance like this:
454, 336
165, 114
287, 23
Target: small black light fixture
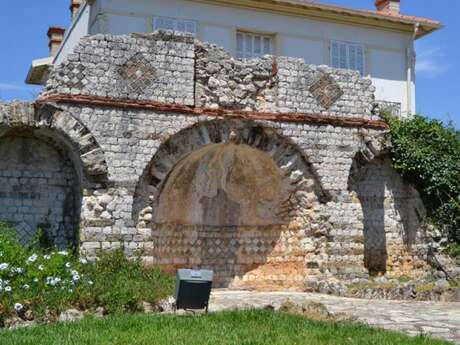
193, 289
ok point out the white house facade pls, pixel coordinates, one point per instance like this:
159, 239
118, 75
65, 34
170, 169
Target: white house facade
379, 44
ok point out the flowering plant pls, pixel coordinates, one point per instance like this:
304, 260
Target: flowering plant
33, 279
47, 282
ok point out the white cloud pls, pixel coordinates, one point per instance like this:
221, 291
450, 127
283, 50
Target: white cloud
431, 62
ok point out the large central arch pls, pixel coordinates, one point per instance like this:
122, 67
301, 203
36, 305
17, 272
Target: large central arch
232, 196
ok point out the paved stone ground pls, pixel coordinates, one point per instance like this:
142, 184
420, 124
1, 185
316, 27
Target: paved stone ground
438, 320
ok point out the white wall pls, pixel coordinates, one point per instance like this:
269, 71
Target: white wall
386, 58
73, 35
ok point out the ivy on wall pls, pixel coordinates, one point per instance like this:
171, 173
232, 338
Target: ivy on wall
427, 154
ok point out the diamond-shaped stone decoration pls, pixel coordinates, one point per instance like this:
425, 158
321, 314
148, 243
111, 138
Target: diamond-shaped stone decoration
137, 74
326, 91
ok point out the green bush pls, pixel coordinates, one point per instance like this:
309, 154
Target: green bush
120, 284
49, 281
454, 250
427, 154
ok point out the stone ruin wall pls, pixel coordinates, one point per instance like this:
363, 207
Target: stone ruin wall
177, 147
37, 189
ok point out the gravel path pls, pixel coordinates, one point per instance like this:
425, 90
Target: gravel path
438, 320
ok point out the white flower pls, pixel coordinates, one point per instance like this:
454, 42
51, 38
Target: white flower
73, 272
35, 280
4, 266
63, 252
46, 257
26, 287
68, 265
90, 282
18, 307
83, 261
52, 281
32, 258
8, 289
76, 277
41, 267
17, 270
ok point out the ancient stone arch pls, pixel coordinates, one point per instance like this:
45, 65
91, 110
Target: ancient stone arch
48, 158
233, 196
393, 212
59, 126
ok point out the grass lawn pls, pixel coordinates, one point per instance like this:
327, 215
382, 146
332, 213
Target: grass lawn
250, 327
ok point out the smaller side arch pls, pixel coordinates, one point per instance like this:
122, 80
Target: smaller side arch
393, 212
49, 158
57, 126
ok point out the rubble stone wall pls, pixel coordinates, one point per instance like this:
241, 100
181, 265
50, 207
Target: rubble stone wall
38, 190
269, 171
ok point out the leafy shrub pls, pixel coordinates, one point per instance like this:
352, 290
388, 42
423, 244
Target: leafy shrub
427, 154
454, 250
121, 284
46, 282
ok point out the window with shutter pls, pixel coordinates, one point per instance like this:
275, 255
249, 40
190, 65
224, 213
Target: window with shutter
348, 56
249, 45
174, 24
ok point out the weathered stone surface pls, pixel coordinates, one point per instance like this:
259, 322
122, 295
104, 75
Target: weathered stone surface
38, 190
155, 67
270, 171
172, 68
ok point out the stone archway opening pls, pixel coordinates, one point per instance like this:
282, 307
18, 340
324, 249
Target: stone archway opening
49, 158
393, 215
242, 203
40, 187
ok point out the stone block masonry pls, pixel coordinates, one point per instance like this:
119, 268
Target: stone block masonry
271, 172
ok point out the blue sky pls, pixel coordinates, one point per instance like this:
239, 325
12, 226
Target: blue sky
24, 25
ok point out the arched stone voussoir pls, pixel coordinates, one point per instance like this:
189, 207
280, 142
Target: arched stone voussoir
49, 121
292, 163
375, 146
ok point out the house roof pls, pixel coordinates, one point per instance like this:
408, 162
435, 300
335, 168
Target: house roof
345, 14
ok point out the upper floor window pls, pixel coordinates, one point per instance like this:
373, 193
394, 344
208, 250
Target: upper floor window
174, 24
347, 55
251, 45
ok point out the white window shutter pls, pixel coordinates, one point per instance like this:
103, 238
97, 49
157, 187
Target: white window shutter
181, 26
268, 50
252, 45
248, 45
360, 63
174, 24
352, 62
239, 45
335, 55
343, 54
257, 45
348, 56
190, 27
165, 23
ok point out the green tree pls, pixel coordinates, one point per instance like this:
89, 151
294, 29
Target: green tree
427, 154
